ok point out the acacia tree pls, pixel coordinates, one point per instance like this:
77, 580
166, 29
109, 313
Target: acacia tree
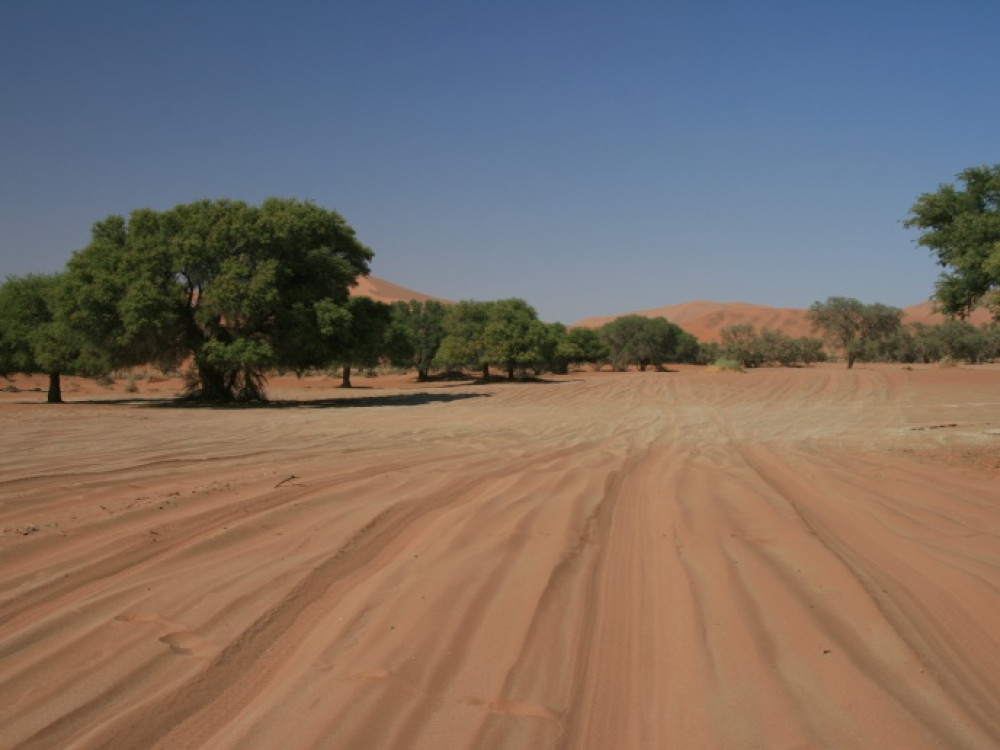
361, 340
34, 335
642, 341
752, 348
515, 338
504, 333
416, 334
238, 288
962, 227
852, 326
588, 346
464, 343
742, 343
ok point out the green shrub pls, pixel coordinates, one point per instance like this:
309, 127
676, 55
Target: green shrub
726, 365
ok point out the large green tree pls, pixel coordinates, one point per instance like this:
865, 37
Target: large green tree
238, 288
588, 346
643, 342
515, 338
34, 334
854, 327
506, 334
464, 342
962, 227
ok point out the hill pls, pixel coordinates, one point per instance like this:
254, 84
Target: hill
381, 290
702, 318
705, 319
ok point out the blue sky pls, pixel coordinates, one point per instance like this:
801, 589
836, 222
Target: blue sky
592, 158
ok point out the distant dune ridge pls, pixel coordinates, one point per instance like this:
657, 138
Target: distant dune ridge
702, 318
705, 319
381, 290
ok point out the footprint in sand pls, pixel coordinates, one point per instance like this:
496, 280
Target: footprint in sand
187, 643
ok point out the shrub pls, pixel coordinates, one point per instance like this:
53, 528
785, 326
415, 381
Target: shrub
726, 365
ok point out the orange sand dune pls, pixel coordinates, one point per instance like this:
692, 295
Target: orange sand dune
784, 558
705, 319
381, 290
702, 318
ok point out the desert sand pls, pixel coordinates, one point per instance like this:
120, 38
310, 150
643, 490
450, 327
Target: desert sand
783, 558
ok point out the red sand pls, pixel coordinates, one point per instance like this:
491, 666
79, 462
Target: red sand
784, 558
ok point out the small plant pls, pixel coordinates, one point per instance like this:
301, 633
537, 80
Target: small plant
726, 365
130, 386
11, 388
105, 380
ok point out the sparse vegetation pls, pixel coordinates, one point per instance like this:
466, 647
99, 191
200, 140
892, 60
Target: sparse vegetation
744, 344
240, 291
726, 365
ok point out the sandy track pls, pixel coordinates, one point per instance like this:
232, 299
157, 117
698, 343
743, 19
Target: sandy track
788, 558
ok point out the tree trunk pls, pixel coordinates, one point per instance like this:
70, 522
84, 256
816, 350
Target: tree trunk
486, 373
510, 372
422, 375
345, 381
55, 388
214, 385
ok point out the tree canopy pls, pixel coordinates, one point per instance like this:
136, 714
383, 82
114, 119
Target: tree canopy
962, 227
644, 342
854, 327
416, 332
238, 288
34, 335
503, 333
363, 340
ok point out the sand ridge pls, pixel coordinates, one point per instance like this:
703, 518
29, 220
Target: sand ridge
683, 559
704, 320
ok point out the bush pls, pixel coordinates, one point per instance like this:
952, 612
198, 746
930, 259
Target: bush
726, 365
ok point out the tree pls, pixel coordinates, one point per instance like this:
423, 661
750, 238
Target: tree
851, 326
589, 347
742, 343
504, 333
514, 337
238, 288
34, 335
464, 343
362, 342
751, 348
642, 341
417, 331
962, 227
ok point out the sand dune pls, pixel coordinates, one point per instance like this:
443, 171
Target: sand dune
381, 290
702, 318
786, 558
705, 319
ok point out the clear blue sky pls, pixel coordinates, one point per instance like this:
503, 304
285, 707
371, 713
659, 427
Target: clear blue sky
592, 158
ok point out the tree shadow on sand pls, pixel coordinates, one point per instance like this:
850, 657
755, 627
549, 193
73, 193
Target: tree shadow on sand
418, 398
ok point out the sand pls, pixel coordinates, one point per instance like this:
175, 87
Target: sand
783, 558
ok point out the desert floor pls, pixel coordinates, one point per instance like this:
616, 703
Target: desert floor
782, 558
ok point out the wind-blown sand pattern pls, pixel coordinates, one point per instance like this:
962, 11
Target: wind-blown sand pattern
785, 558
